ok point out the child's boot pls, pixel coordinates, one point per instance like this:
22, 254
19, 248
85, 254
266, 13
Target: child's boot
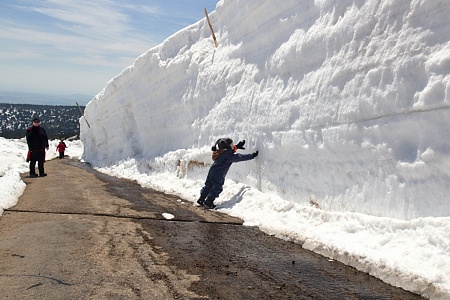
209, 203
201, 201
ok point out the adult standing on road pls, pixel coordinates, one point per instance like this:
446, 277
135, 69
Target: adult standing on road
37, 141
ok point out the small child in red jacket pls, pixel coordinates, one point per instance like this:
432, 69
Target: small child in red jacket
61, 148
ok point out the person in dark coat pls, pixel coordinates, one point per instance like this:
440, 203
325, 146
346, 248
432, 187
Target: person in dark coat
223, 156
61, 148
37, 141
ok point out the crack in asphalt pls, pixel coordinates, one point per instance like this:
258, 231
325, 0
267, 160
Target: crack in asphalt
58, 281
120, 216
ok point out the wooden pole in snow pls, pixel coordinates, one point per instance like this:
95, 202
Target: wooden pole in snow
82, 114
212, 31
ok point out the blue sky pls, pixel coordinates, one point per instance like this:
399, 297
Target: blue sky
76, 46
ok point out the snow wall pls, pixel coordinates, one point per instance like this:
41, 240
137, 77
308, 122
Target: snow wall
347, 101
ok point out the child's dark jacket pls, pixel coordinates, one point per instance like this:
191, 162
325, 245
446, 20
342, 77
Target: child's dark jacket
223, 162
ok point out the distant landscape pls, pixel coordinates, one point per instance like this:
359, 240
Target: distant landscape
43, 99
60, 122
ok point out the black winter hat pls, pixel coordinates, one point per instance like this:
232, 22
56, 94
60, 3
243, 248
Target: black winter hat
35, 119
222, 143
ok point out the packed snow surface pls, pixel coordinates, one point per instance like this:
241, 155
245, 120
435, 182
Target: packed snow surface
348, 103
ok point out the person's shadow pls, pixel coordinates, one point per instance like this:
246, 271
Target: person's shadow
235, 199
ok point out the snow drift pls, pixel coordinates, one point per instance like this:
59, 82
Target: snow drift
348, 102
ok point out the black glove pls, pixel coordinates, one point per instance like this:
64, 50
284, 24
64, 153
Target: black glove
255, 154
240, 145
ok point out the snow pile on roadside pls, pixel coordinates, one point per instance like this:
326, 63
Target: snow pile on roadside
346, 101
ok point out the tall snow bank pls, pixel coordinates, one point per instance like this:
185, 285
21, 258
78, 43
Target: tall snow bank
348, 103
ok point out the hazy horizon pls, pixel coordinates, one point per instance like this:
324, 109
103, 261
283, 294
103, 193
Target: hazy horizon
43, 98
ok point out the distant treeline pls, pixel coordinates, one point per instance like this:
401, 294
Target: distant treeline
60, 122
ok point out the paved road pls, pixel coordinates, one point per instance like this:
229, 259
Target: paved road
79, 234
